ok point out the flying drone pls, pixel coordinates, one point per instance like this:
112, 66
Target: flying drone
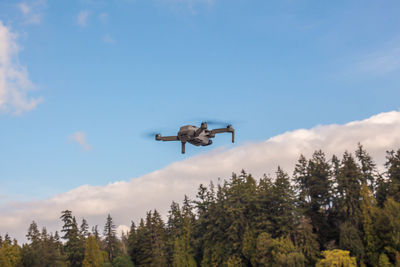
198, 136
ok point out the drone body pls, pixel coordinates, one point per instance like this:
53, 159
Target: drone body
198, 136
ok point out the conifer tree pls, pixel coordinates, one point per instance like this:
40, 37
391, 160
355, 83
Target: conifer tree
283, 205
110, 239
74, 247
313, 183
393, 171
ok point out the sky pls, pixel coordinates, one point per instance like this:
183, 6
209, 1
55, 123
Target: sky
82, 82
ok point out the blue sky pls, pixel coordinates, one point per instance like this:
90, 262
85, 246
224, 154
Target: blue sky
113, 70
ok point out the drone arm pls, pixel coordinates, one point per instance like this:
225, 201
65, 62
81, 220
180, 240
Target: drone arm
228, 129
167, 138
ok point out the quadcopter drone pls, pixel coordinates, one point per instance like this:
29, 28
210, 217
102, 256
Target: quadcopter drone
196, 136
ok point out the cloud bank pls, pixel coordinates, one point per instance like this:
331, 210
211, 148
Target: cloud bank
14, 81
129, 200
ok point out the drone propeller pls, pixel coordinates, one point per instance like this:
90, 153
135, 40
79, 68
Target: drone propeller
218, 123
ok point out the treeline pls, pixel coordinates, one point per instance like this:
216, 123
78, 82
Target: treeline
330, 212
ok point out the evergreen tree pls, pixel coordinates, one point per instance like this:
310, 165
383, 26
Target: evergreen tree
84, 229
283, 205
393, 171
314, 186
348, 181
306, 240
110, 239
74, 247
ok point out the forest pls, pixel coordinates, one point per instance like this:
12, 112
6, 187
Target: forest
337, 211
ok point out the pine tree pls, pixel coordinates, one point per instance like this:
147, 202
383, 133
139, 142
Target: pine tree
84, 229
314, 186
74, 247
283, 205
393, 171
110, 239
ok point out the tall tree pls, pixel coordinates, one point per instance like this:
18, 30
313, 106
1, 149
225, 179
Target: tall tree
74, 247
314, 188
93, 256
110, 239
393, 171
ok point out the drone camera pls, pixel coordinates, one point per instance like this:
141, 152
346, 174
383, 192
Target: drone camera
158, 137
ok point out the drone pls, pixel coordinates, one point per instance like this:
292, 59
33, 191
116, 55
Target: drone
198, 136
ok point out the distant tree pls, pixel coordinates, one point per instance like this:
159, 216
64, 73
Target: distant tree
110, 239
10, 254
349, 180
393, 171
337, 257
283, 205
74, 246
278, 252
122, 261
368, 215
84, 229
306, 240
93, 256
314, 186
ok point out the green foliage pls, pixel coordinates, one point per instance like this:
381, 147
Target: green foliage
384, 261
277, 252
350, 239
110, 239
93, 256
336, 257
341, 206
122, 261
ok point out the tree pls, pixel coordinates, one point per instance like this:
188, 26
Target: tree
93, 256
84, 229
283, 205
122, 261
337, 257
306, 240
393, 171
314, 186
110, 239
368, 213
74, 246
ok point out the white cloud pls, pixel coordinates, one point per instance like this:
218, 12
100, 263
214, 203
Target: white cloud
14, 81
129, 200
32, 11
79, 137
108, 39
82, 18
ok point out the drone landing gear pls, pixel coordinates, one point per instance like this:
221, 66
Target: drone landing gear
183, 147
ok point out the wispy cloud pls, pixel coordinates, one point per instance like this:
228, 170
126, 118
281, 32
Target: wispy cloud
108, 39
380, 62
103, 17
79, 137
32, 11
82, 18
129, 200
14, 81
187, 5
